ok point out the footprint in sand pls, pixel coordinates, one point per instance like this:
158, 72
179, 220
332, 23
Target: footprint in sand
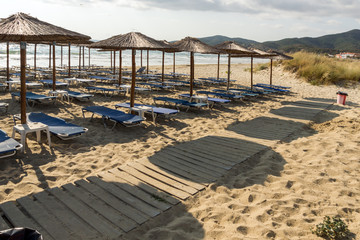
242, 229
51, 169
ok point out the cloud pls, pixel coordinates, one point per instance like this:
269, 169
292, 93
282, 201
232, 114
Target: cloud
310, 8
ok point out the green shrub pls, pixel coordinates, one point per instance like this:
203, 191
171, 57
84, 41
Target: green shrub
332, 229
319, 69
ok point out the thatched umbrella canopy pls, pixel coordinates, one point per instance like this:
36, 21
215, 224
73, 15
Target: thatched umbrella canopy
275, 55
193, 45
21, 28
231, 47
134, 41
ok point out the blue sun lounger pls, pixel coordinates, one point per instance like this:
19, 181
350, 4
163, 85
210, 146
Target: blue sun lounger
49, 83
105, 91
155, 110
237, 92
221, 95
116, 116
180, 102
104, 79
79, 95
8, 146
34, 98
209, 99
273, 88
57, 126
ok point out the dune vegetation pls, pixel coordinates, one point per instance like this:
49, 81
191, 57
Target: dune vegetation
320, 69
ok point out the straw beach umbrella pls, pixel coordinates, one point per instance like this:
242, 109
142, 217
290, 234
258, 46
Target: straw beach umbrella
230, 47
193, 45
278, 56
134, 41
21, 28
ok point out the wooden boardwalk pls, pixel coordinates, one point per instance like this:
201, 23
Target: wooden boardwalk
115, 202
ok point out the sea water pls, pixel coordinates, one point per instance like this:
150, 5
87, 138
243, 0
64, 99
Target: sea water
103, 58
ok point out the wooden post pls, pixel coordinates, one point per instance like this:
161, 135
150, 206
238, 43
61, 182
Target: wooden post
89, 58
252, 59
132, 90
79, 58
69, 60
271, 65
7, 62
218, 69
111, 65
35, 59
61, 61
174, 63
83, 57
120, 66
147, 62
228, 75
141, 58
23, 82
49, 56
162, 67
54, 68
191, 73
114, 62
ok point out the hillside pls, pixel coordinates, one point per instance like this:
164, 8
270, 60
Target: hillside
347, 41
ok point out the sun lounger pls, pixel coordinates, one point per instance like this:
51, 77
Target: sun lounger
34, 98
127, 88
248, 90
116, 116
78, 81
237, 92
79, 95
180, 102
104, 79
210, 100
14, 83
275, 86
49, 83
8, 146
108, 92
221, 95
4, 106
154, 110
57, 126
156, 86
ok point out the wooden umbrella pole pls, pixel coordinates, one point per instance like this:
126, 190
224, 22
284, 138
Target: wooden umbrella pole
79, 58
147, 62
54, 68
133, 73
61, 61
252, 59
114, 62
83, 57
120, 66
229, 66
174, 63
162, 67
141, 58
218, 68
69, 57
271, 65
7, 62
89, 58
49, 55
191, 73
23, 82
35, 59
111, 65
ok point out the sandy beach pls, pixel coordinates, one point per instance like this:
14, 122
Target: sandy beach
279, 195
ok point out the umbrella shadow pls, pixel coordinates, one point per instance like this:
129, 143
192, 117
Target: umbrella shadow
299, 113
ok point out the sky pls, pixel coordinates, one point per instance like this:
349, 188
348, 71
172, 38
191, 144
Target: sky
259, 20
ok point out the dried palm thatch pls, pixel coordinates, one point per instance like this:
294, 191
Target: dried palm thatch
132, 40
279, 55
22, 27
194, 45
233, 48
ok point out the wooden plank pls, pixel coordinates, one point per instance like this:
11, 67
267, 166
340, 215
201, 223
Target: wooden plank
19, 219
190, 165
87, 214
134, 190
177, 177
124, 208
47, 221
196, 170
144, 186
242, 144
126, 197
178, 170
3, 224
153, 182
66, 216
204, 154
111, 214
166, 179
